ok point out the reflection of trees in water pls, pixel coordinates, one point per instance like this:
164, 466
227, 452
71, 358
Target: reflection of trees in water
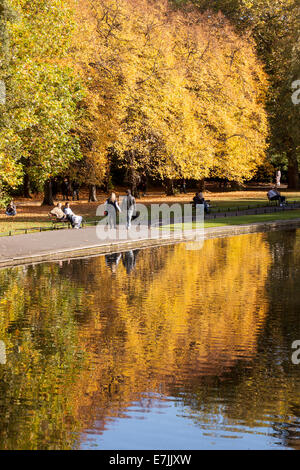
44, 359
92, 340
282, 328
288, 433
271, 386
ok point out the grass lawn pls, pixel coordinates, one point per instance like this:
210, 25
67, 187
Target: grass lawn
17, 227
240, 220
251, 202
31, 215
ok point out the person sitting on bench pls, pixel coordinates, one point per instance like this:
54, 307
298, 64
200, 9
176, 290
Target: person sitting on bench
274, 195
67, 210
199, 199
11, 209
75, 220
58, 213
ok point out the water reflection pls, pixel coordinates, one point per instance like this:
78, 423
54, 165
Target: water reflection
207, 332
128, 258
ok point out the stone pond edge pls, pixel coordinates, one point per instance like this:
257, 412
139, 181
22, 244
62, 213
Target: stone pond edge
123, 246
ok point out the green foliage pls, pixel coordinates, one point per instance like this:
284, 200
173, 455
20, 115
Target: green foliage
43, 92
274, 24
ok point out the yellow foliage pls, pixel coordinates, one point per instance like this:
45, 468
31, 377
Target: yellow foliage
178, 94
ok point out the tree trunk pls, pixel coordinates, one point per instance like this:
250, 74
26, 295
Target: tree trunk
134, 186
26, 186
169, 185
48, 196
237, 186
293, 170
133, 176
93, 193
201, 186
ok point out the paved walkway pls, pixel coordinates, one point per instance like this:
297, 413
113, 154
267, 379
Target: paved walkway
65, 244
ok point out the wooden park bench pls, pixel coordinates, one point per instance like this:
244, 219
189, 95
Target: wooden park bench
276, 202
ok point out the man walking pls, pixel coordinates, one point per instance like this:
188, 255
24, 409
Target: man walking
128, 206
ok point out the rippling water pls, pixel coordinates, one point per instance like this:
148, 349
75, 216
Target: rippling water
156, 349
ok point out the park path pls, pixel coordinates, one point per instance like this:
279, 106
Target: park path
67, 244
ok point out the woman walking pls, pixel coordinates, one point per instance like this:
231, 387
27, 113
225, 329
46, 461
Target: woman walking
112, 207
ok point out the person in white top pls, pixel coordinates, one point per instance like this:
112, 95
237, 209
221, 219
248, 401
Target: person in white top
75, 220
68, 210
278, 178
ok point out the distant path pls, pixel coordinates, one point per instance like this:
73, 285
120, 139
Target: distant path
66, 244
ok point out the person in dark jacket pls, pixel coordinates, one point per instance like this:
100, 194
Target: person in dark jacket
128, 206
112, 208
11, 209
65, 189
274, 195
75, 189
199, 199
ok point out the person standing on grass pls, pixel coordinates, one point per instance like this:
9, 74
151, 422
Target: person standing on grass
278, 178
75, 189
112, 207
128, 206
55, 188
65, 189
183, 187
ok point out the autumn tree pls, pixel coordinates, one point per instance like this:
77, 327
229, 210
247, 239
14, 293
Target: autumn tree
10, 169
43, 91
274, 25
183, 94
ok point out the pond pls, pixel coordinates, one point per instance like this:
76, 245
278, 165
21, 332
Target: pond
164, 348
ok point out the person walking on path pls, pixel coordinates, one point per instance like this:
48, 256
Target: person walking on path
112, 207
128, 206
